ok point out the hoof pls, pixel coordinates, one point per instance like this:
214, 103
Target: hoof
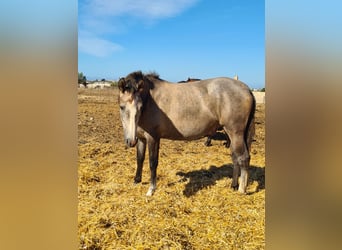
150, 192
234, 187
207, 143
242, 190
137, 180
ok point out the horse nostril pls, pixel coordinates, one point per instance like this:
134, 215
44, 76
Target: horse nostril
131, 143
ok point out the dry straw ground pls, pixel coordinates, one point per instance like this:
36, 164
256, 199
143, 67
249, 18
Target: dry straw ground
193, 207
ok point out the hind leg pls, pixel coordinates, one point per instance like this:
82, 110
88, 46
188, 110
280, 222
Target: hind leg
241, 158
208, 141
227, 143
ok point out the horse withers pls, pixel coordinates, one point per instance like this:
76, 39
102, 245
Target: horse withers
152, 108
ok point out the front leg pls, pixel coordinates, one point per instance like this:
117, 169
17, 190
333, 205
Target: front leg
141, 149
153, 150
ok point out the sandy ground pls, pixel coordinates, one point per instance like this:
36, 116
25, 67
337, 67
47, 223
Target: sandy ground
193, 207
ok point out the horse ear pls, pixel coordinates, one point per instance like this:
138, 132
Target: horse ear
122, 84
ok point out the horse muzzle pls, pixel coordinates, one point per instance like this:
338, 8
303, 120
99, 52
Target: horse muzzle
131, 143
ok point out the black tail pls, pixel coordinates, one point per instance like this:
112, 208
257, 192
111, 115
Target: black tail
250, 129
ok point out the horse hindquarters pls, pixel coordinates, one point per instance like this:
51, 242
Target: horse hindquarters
240, 143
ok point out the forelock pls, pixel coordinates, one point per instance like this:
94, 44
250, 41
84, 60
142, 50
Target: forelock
135, 76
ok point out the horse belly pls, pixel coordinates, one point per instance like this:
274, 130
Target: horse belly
191, 129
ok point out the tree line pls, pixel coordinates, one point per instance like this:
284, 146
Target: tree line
82, 79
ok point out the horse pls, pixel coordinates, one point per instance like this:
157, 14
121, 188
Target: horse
152, 108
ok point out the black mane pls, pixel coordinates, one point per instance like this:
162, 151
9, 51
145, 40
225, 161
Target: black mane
131, 82
153, 76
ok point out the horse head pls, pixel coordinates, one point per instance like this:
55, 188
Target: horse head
131, 102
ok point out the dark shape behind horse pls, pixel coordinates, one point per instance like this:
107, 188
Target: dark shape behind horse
152, 108
221, 135
190, 80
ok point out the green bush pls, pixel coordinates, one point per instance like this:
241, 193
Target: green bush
82, 79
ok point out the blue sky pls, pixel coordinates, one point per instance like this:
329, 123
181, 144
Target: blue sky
175, 38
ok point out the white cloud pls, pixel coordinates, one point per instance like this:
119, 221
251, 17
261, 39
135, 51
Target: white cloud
149, 9
98, 18
97, 46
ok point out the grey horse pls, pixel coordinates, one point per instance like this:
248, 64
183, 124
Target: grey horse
152, 108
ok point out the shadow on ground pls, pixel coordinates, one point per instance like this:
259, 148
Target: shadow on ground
200, 179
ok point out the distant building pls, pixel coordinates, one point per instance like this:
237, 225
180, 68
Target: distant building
99, 84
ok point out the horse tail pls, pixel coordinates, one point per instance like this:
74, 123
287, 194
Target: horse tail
250, 129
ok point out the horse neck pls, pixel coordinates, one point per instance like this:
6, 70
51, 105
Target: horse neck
145, 93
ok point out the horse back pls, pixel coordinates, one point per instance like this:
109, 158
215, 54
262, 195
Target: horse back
195, 109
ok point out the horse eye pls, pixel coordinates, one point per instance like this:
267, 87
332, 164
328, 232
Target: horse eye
122, 107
